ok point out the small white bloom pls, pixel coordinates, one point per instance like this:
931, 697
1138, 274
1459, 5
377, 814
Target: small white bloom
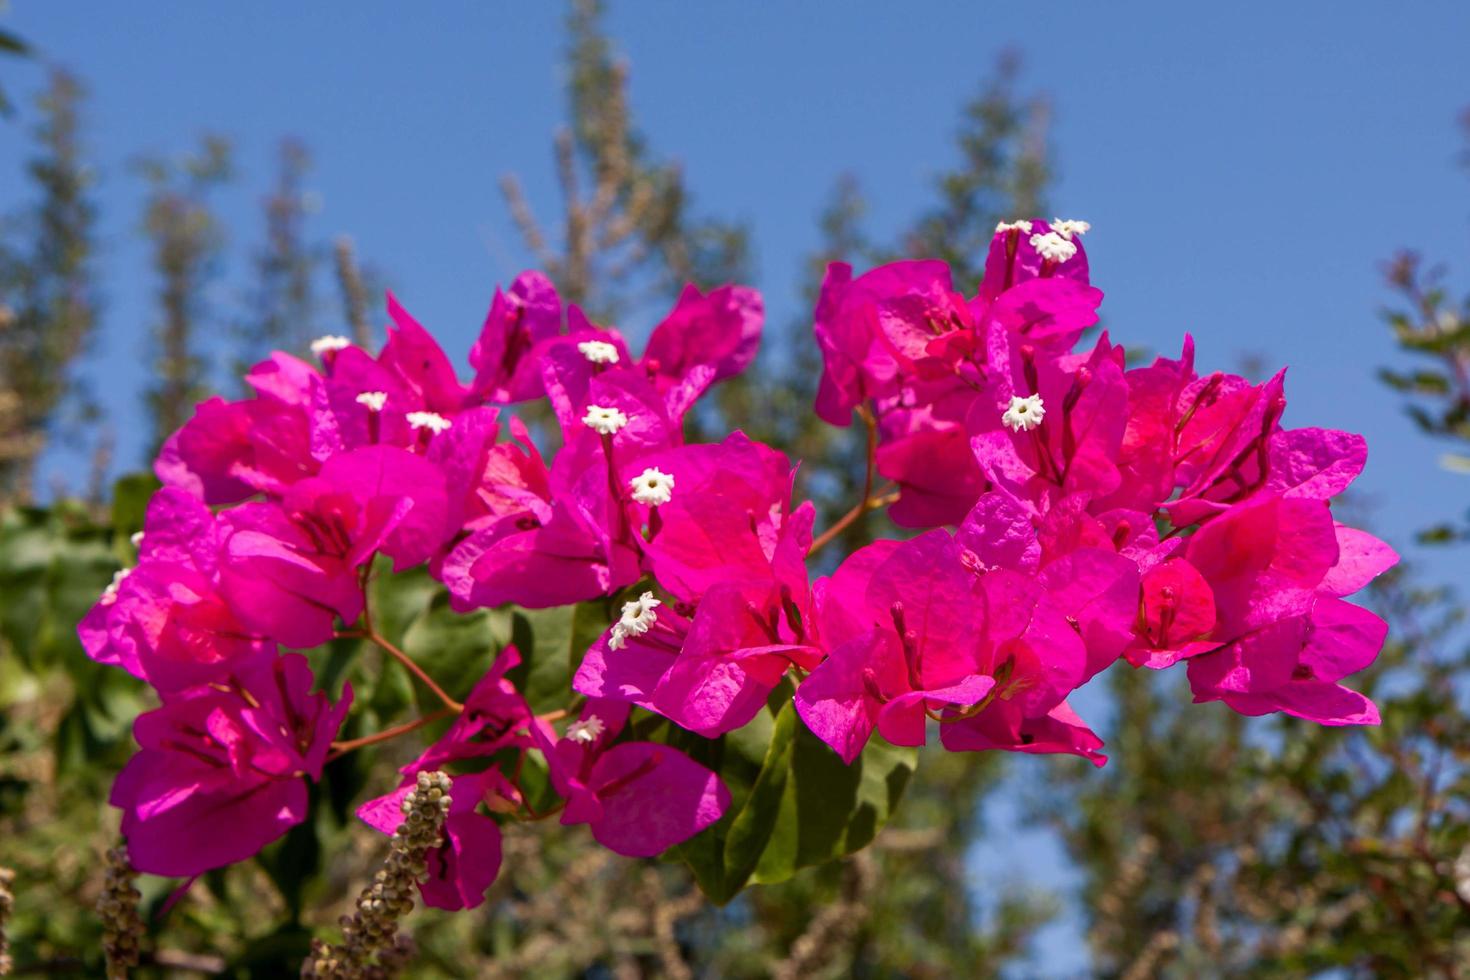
432, 421
653, 487
598, 351
606, 421
137, 539
638, 616
1022, 225
329, 343
1023, 413
109, 594
1068, 228
373, 400
586, 730
1053, 247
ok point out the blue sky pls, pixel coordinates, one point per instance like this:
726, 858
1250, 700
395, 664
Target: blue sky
1246, 167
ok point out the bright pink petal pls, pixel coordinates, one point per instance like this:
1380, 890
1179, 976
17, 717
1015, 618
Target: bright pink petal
653, 797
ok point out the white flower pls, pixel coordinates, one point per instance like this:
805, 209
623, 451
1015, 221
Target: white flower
373, 400
1022, 225
1053, 247
109, 594
638, 614
137, 539
329, 343
432, 421
598, 351
1068, 228
606, 421
1023, 413
586, 730
652, 487
638, 617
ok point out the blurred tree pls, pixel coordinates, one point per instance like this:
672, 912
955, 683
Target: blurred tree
283, 307
629, 233
1276, 848
187, 241
11, 46
354, 292
1003, 173
1432, 327
48, 296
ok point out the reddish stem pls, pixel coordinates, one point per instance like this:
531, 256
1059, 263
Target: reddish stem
340, 749
868, 502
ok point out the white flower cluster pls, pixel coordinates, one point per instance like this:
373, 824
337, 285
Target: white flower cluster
605, 421
1053, 247
432, 421
1022, 225
638, 617
373, 401
653, 487
586, 730
322, 345
109, 594
1067, 228
1023, 413
598, 351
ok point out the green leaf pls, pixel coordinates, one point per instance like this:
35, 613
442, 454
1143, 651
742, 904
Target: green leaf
130, 496
830, 809
398, 599
456, 649
798, 806
552, 643
751, 831
53, 565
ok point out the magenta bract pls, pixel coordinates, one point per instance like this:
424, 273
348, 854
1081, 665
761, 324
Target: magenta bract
1072, 513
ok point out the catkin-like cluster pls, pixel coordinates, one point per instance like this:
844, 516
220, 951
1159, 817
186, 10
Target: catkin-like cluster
371, 947
122, 926
7, 904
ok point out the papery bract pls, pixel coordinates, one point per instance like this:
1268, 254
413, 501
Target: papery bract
638, 798
222, 773
167, 620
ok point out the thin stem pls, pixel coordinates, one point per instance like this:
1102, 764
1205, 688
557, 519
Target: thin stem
532, 815
370, 632
340, 749
417, 671
846, 520
866, 503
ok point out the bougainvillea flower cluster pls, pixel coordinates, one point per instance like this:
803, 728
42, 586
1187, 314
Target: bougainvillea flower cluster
1070, 511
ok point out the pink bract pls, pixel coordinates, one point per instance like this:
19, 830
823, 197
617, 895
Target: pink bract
221, 773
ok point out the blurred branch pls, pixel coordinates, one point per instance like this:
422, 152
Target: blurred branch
187, 242
626, 226
354, 294
48, 303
